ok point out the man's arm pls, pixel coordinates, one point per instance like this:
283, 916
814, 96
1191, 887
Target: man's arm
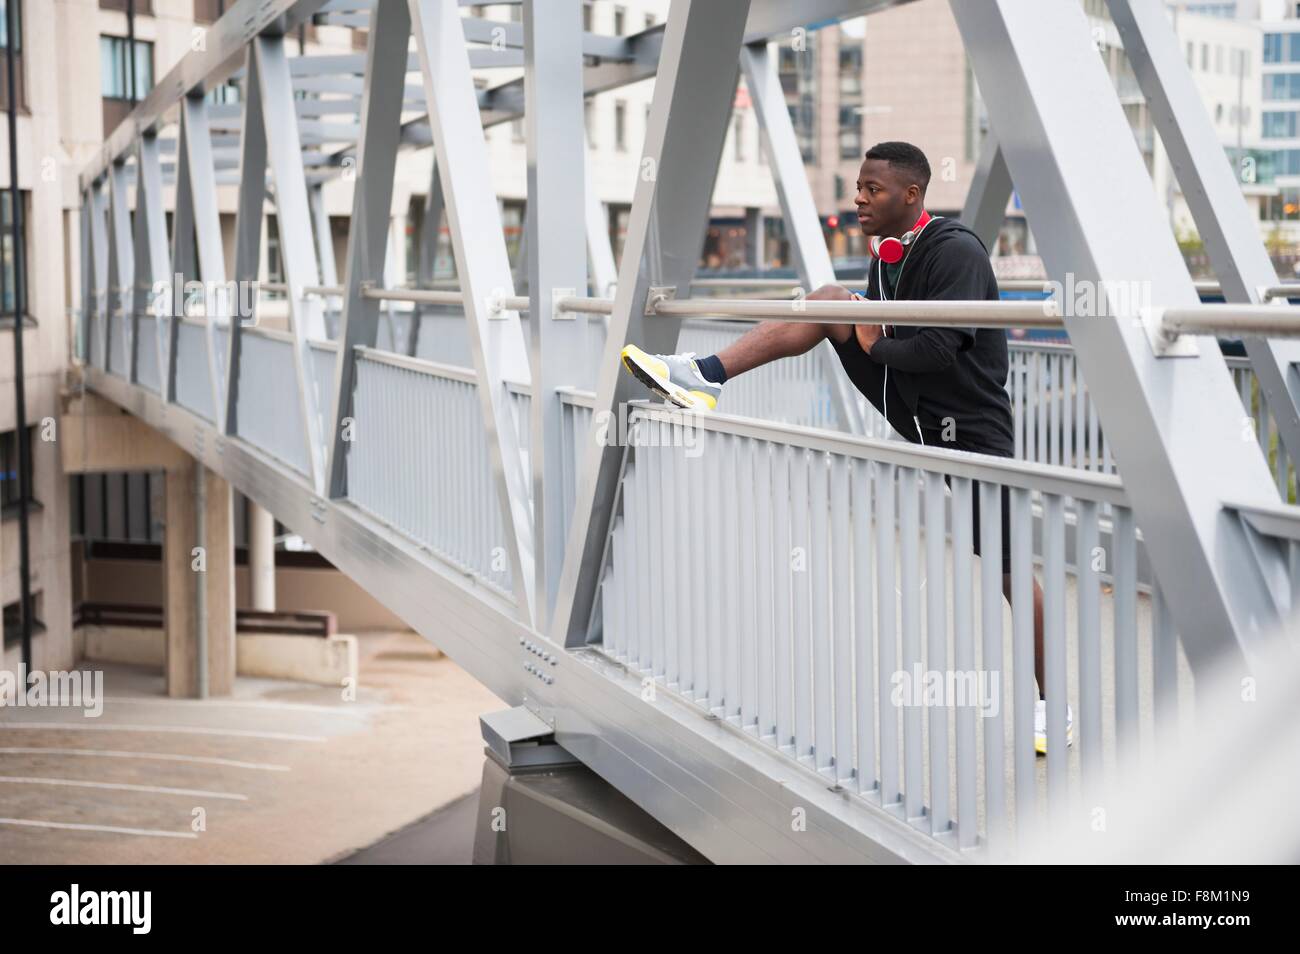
960, 274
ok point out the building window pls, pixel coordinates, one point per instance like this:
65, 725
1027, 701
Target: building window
19, 71
1282, 86
620, 126
1205, 57
113, 68
11, 259
117, 77
13, 621
620, 20
851, 132
9, 495
142, 7
586, 16
516, 130
589, 121
850, 71
225, 93
1191, 55
649, 20
738, 137
209, 11
1279, 125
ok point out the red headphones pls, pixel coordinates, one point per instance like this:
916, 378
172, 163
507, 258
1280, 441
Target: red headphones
889, 249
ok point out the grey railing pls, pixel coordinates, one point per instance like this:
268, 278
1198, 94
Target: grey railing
754, 569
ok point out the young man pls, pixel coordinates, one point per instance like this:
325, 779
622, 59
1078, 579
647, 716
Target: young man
942, 387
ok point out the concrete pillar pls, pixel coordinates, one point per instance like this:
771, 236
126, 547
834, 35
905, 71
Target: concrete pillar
261, 557
198, 582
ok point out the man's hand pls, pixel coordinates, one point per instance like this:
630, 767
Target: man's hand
868, 335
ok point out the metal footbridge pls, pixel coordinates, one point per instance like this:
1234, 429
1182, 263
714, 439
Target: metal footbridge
711, 611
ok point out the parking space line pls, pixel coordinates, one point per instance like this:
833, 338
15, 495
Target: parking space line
179, 729
120, 787
154, 756
110, 829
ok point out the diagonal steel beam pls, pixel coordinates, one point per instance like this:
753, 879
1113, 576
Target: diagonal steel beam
284, 154
99, 267
184, 263
802, 224
122, 263
249, 210
1174, 422
990, 189
372, 198
696, 85
151, 258
1213, 196
496, 337
207, 236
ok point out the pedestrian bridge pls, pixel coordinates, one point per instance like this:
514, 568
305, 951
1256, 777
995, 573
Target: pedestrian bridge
711, 611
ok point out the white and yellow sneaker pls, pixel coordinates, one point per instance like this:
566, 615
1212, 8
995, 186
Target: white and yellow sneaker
675, 377
1040, 726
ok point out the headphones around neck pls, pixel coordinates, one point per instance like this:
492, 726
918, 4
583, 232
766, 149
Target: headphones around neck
889, 249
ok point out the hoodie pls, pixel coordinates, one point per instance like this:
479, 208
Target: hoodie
951, 380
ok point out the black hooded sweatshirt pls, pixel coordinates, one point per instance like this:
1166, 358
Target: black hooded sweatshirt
951, 380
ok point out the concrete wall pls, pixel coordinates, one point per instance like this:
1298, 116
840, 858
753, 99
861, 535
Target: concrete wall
140, 581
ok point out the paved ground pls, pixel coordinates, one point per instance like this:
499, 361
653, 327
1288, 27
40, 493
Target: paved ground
279, 772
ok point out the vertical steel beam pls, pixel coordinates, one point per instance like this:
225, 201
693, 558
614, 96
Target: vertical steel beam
600, 252
121, 255
802, 224
202, 177
151, 260
1174, 422
248, 225
990, 188
427, 264
284, 155
496, 336
670, 209
1213, 196
558, 260
372, 195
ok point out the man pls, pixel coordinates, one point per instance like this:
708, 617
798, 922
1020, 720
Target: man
942, 387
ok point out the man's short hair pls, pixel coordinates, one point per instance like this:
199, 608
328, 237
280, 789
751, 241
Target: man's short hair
904, 157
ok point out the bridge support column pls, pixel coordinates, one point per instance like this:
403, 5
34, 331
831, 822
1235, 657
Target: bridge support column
198, 583
261, 557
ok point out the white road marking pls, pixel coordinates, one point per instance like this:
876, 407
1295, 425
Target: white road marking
347, 708
181, 729
120, 786
111, 829
158, 756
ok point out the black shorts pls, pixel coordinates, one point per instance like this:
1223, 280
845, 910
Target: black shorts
880, 389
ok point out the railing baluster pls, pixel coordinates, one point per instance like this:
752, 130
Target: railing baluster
768, 601
823, 703
909, 530
963, 642
799, 557
1126, 650
887, 640
863, 627
1054, 650
783, 588
936, 631
747, 566
1022, 654
841, 661
991, 543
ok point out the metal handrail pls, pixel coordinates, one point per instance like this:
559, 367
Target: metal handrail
1047, 478
434, 368
1267, 320
984, 314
